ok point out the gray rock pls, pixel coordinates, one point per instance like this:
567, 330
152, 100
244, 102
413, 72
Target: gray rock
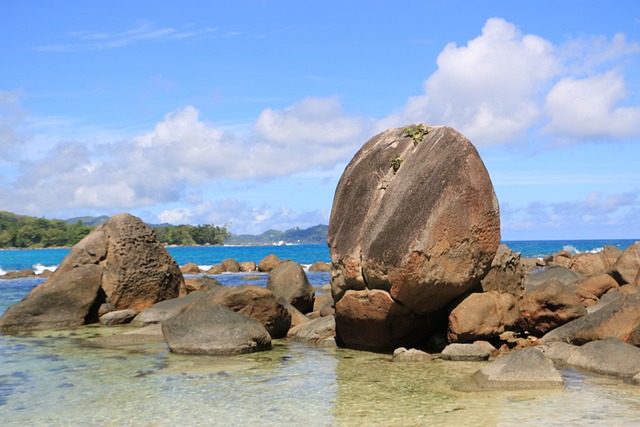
119, 317
402, 354
562, 274
163, 310
480, 350
288, 280
558, 351
610, 357
527, 368
320, 331
506, 274
72, 299
151, 334
214, 330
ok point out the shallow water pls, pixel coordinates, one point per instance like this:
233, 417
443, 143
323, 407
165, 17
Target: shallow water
53, 378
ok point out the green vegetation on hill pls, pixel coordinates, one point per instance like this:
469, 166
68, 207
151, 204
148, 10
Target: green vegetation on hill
20, 231
316, 234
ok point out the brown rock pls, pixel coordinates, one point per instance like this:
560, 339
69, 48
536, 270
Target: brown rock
626, 268
610, 255
506, 275
321, 331
598, 285
619, 318
18, 274
190, 268
561, 258
320, 266
215, 269
548, 306
373, 320
255, 302
588, 264
482, 316
230, 265
425, 233
321, 301
201, 283
268, 263
410, 355
248, 266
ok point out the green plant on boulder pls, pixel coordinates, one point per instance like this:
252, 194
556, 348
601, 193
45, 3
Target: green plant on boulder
417, 133
396, 161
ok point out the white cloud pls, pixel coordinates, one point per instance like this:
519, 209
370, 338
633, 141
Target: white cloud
486, 89
175, 216
11, 116
586, 108
503, 86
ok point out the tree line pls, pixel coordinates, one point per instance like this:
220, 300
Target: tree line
18, 231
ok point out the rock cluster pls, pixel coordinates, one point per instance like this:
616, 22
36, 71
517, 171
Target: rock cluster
414, 226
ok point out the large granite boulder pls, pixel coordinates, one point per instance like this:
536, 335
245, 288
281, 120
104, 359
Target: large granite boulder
589, 264
527, 368
548, 306
126, 265
214, 330
255, 302
627, 267
482, 316
288, 280
68, 300
414, 216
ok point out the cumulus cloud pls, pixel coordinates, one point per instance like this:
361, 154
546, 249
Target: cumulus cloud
11, 116
184, 151
504, 85
486, 89
586, 108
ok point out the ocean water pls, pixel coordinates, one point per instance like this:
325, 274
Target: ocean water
54, 378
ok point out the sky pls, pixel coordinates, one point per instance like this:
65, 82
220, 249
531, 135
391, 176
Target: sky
246, 113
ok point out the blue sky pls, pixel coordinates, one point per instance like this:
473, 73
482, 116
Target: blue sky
245, 113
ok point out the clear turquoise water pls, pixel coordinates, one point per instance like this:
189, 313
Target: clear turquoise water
18, 259
53, 378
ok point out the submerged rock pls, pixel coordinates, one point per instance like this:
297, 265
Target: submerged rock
402, 354
610, 357
215, 330
527, 368
414, 216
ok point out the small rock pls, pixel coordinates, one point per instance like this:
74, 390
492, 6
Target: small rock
119, 317
411, 355
480, 350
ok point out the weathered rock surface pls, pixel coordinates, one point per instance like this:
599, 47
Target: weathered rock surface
589, 264
18, 274
247, 266
610, 357
268, 263
548, 306
424, 233
562, 274
595, 286
506, 274
527, 368
620, 319
627, 266
201, 283
320, 331
288, 280
212, 329
320, 266
482, 316
230, 265
255, 302
67, 300
372, 320
163, 310
119, 317
410, 355
190, 268
480, 350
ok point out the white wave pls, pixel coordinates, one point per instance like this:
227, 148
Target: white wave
39, 268
571, 249
2, 272
205, 267
596, 250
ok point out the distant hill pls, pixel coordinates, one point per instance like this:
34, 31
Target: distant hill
88, 220
311, 235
